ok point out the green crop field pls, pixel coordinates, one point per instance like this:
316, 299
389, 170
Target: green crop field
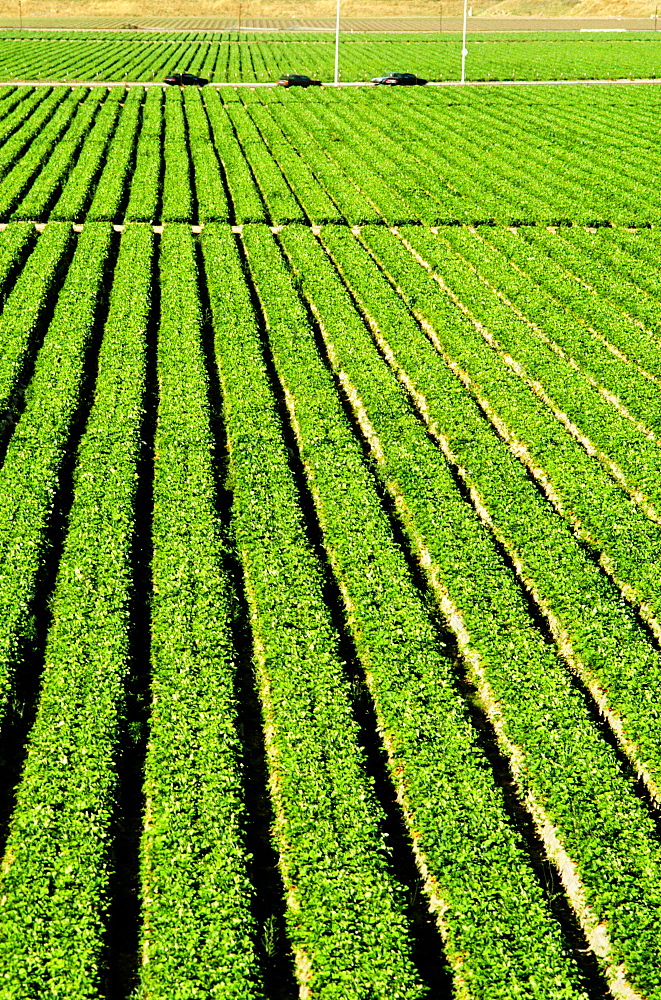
513, 156
330, 535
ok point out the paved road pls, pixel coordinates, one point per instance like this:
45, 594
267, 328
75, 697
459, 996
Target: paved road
357, 83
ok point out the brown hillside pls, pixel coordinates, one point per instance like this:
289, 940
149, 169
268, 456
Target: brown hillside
305, 11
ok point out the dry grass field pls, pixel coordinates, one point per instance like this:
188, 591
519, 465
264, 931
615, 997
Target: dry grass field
305, 11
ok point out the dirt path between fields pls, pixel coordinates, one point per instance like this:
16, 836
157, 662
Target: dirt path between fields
357, 83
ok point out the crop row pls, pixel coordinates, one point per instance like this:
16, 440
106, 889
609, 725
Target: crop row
612, 654
58, 859
288, 482
327, 822
37, 449
197, 929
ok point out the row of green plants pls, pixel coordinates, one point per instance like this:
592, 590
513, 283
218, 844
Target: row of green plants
584, 180
145, 184
440, 138
46, 183
437, 184
110, 190
58, 867
24, 125
310, 194
632, 254
315, 201
344, 915
279, 199
480, 886
360, 159
177, 175
17, 105
198, 934
209, 188
633, 684
76, 191
354, 156
40, 441
298, 131
569, 777
400, 189
24, 307
55, 140
607, 130
617, 295
636, 395
15, 243
28, 177
425, 391
630, 480
600, 514
243, 192
593, 420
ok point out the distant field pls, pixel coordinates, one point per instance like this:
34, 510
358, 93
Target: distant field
230, 57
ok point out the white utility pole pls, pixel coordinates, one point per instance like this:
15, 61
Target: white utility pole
464, 50
337, 43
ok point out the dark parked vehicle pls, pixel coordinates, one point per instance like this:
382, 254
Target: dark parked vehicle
294, 80
400, 80
185, 79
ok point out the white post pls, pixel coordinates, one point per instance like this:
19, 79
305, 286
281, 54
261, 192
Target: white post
337, 43
464, 50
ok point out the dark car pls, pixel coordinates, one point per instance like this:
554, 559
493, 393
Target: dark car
400, 80
295, 80
186, 79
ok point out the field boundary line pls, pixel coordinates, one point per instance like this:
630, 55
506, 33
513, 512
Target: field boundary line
197, 228
624, 81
